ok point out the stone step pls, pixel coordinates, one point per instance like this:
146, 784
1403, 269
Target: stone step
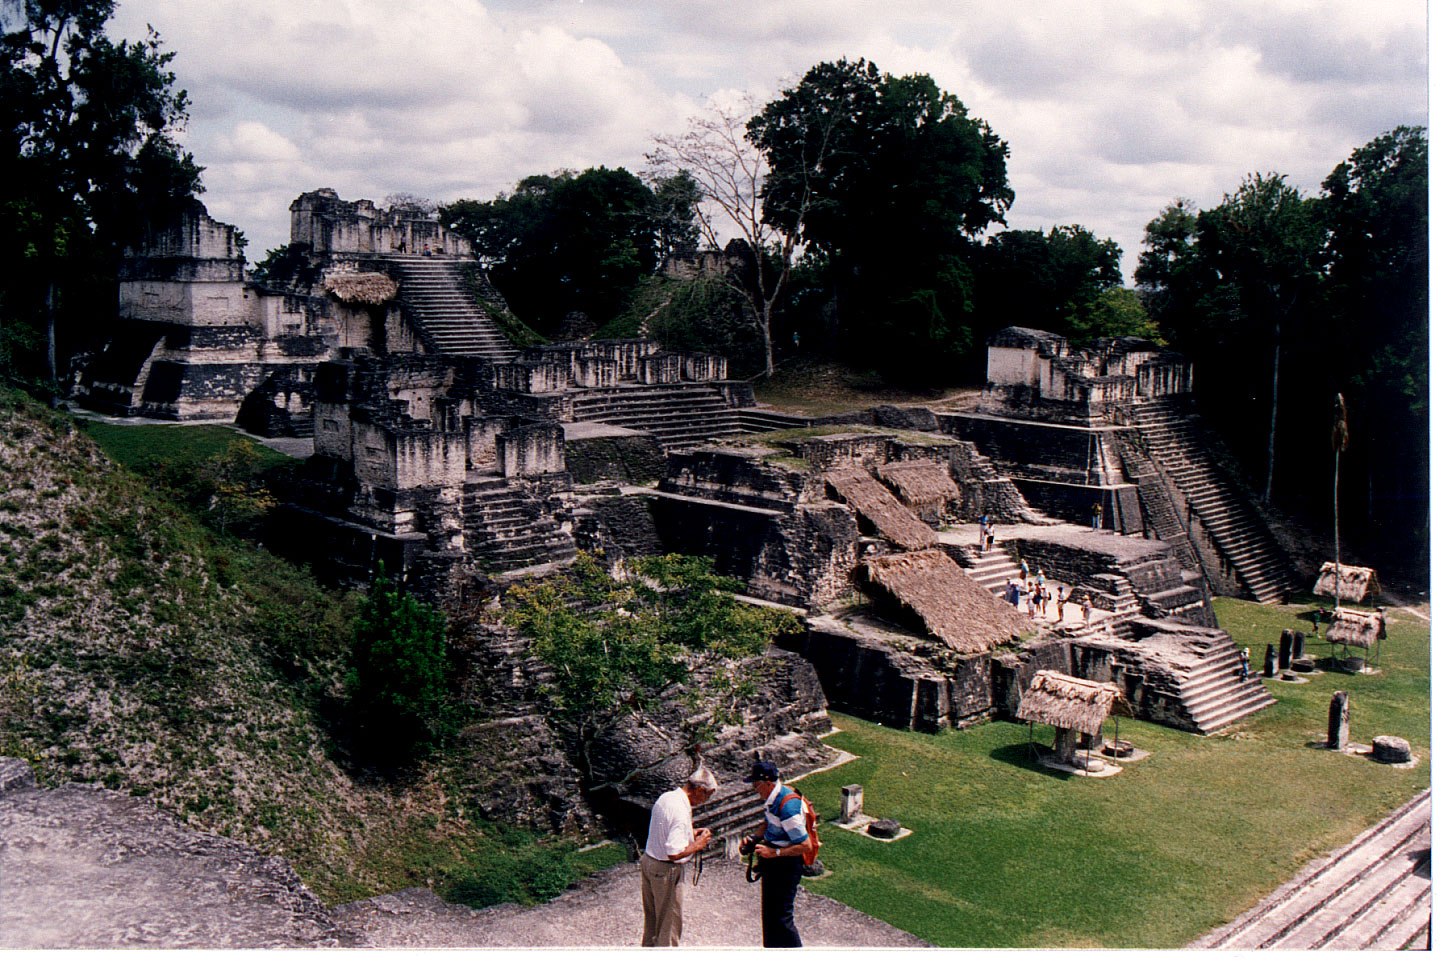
1391, 924
1222, 717
647, 405
659, 413
1207, 701
1362, 893
763, 420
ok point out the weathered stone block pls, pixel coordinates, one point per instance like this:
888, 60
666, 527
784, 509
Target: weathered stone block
1339, 729
1390, 749
852, 800
531, 450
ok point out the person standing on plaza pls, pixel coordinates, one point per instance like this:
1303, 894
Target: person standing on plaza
671, 843
779, 843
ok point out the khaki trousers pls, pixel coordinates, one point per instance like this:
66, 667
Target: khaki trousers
662, 892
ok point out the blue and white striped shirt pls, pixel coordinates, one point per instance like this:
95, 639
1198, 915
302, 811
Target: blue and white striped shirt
784, 818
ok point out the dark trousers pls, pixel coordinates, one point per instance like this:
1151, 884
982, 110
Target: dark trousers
779, 879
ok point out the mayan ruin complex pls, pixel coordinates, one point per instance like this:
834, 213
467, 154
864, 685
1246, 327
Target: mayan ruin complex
464, 462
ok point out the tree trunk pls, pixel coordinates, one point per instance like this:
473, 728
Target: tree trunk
50, 351
769, 344
1337, 528
1274, 417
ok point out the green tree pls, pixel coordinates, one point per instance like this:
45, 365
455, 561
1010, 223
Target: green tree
1167, 272
1376, 348
891, 179
620, 649
1235, 287
1116, 312
1047, 280
1262, 245
677, 198
89, 158
565, 243
1334, 291
397, 676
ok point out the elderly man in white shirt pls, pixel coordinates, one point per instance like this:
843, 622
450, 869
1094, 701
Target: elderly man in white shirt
673, 840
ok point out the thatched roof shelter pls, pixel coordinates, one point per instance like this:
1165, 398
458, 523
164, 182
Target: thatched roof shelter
371, 289
1356, 628
923, 485
1355, 582
892, 519
1069, 703
952, 606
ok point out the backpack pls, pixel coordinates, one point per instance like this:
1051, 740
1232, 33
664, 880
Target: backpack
810, 849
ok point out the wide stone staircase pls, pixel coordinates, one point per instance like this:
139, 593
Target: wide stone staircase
734, 813
1159, 509
506, 529
1239, 534
756, 420
728, 817
1213, 693
1372, 894
991, 569
676, 414
434, 295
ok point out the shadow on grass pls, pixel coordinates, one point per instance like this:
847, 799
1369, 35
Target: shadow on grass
1026, 757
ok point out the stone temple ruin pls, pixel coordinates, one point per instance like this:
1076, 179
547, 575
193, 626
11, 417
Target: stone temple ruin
465, 462
199, 339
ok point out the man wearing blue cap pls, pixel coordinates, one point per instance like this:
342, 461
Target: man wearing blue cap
777, 844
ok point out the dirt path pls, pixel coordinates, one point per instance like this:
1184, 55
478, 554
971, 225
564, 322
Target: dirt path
723, 911
82, 866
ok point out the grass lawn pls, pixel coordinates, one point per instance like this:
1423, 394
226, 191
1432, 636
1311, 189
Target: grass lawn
138, 446
1008, 854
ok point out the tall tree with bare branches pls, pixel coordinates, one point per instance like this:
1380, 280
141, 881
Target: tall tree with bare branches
730, 170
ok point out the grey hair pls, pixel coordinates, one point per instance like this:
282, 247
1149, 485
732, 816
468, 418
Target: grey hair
702, 779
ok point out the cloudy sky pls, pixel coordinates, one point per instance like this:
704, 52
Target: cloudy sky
1111, 109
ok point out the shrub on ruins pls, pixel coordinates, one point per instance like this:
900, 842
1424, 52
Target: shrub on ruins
397, 679
699, 314
292, 266
89, 157
622, 648
891, 180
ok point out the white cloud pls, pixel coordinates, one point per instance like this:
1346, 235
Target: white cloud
1110, 109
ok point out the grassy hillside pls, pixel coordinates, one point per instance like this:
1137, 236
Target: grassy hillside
144, 651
